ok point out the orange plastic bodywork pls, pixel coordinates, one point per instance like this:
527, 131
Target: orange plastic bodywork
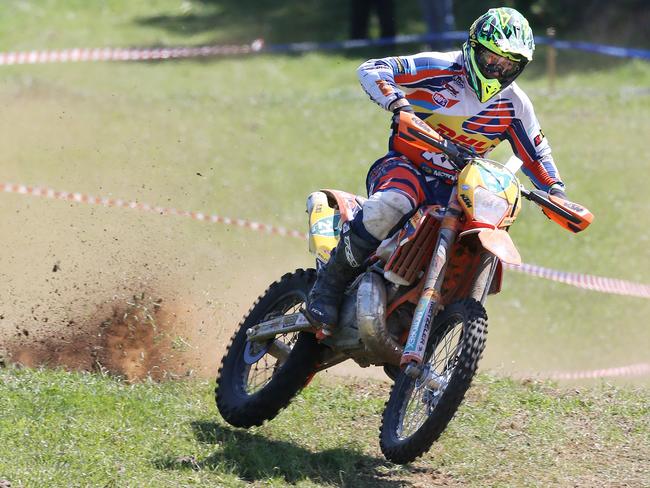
347, 203
578, 218
411, 136
415, 251
499, 243
461, 269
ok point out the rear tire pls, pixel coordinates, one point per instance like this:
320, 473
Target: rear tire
242, 402
458, 340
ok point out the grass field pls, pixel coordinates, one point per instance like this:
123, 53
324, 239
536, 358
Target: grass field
62, 429
250, 138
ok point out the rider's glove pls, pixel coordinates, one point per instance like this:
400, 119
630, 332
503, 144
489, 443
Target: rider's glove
399, 105
557, 189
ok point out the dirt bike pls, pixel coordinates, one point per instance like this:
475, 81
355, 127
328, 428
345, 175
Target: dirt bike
417, 310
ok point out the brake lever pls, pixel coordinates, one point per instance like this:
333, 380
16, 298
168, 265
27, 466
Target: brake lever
541, 198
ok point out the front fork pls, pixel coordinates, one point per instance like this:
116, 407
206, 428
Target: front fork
430, 299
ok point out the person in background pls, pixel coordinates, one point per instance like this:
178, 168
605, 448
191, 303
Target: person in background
469, 97
360, 11
439, 17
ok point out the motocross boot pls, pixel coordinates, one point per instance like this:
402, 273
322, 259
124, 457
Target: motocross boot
345, 264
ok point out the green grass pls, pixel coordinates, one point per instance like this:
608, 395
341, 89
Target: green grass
251, 138
71, 429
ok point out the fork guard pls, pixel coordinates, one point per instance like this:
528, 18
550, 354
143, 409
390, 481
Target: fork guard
499, 243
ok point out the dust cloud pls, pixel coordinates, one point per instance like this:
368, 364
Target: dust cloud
130, 294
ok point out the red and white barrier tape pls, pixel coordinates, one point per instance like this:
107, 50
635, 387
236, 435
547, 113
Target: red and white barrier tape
640, 369
145, 207
125, 54
607, 285
588, 282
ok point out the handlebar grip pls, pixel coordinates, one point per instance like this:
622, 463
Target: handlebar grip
570, 215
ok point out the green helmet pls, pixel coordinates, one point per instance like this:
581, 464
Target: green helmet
499, 46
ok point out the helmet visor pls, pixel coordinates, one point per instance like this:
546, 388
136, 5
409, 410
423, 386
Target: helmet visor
493, 66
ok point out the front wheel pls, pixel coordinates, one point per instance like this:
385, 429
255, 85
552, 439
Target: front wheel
257, 380
418, 410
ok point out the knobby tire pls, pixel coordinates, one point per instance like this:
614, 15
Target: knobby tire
243, 409
403, 450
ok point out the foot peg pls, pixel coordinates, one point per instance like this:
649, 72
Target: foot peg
323, 331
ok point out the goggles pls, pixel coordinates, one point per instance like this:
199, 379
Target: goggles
493, 66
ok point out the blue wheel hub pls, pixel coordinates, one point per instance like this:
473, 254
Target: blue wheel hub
254, 351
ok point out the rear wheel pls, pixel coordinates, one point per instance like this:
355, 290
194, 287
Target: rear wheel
257, 380
419, 409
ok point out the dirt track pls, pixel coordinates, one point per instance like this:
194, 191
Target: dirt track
92, 288
132, 294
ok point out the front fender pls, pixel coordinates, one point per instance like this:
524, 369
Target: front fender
499, 243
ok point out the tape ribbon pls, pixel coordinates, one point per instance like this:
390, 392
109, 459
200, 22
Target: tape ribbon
257, 46
595, 283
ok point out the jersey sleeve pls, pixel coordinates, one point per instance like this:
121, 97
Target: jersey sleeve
377, 76
531, 146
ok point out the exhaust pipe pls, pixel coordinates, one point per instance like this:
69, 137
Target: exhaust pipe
371, 319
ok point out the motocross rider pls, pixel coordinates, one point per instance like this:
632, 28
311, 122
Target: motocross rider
469, 97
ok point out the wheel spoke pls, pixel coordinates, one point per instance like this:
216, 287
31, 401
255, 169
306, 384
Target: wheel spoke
419, 409
422, 398
259, 378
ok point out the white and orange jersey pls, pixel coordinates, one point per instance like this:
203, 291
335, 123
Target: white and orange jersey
434, 84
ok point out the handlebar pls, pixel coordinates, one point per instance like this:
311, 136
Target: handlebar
458, 155
414, 136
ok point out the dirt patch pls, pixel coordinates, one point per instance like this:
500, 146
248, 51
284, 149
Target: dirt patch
149, 334
136, 337
135, 295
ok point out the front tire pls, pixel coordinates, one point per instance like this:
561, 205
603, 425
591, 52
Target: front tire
418, 410
254, 383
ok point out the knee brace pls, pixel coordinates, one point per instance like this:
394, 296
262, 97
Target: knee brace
383, 211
